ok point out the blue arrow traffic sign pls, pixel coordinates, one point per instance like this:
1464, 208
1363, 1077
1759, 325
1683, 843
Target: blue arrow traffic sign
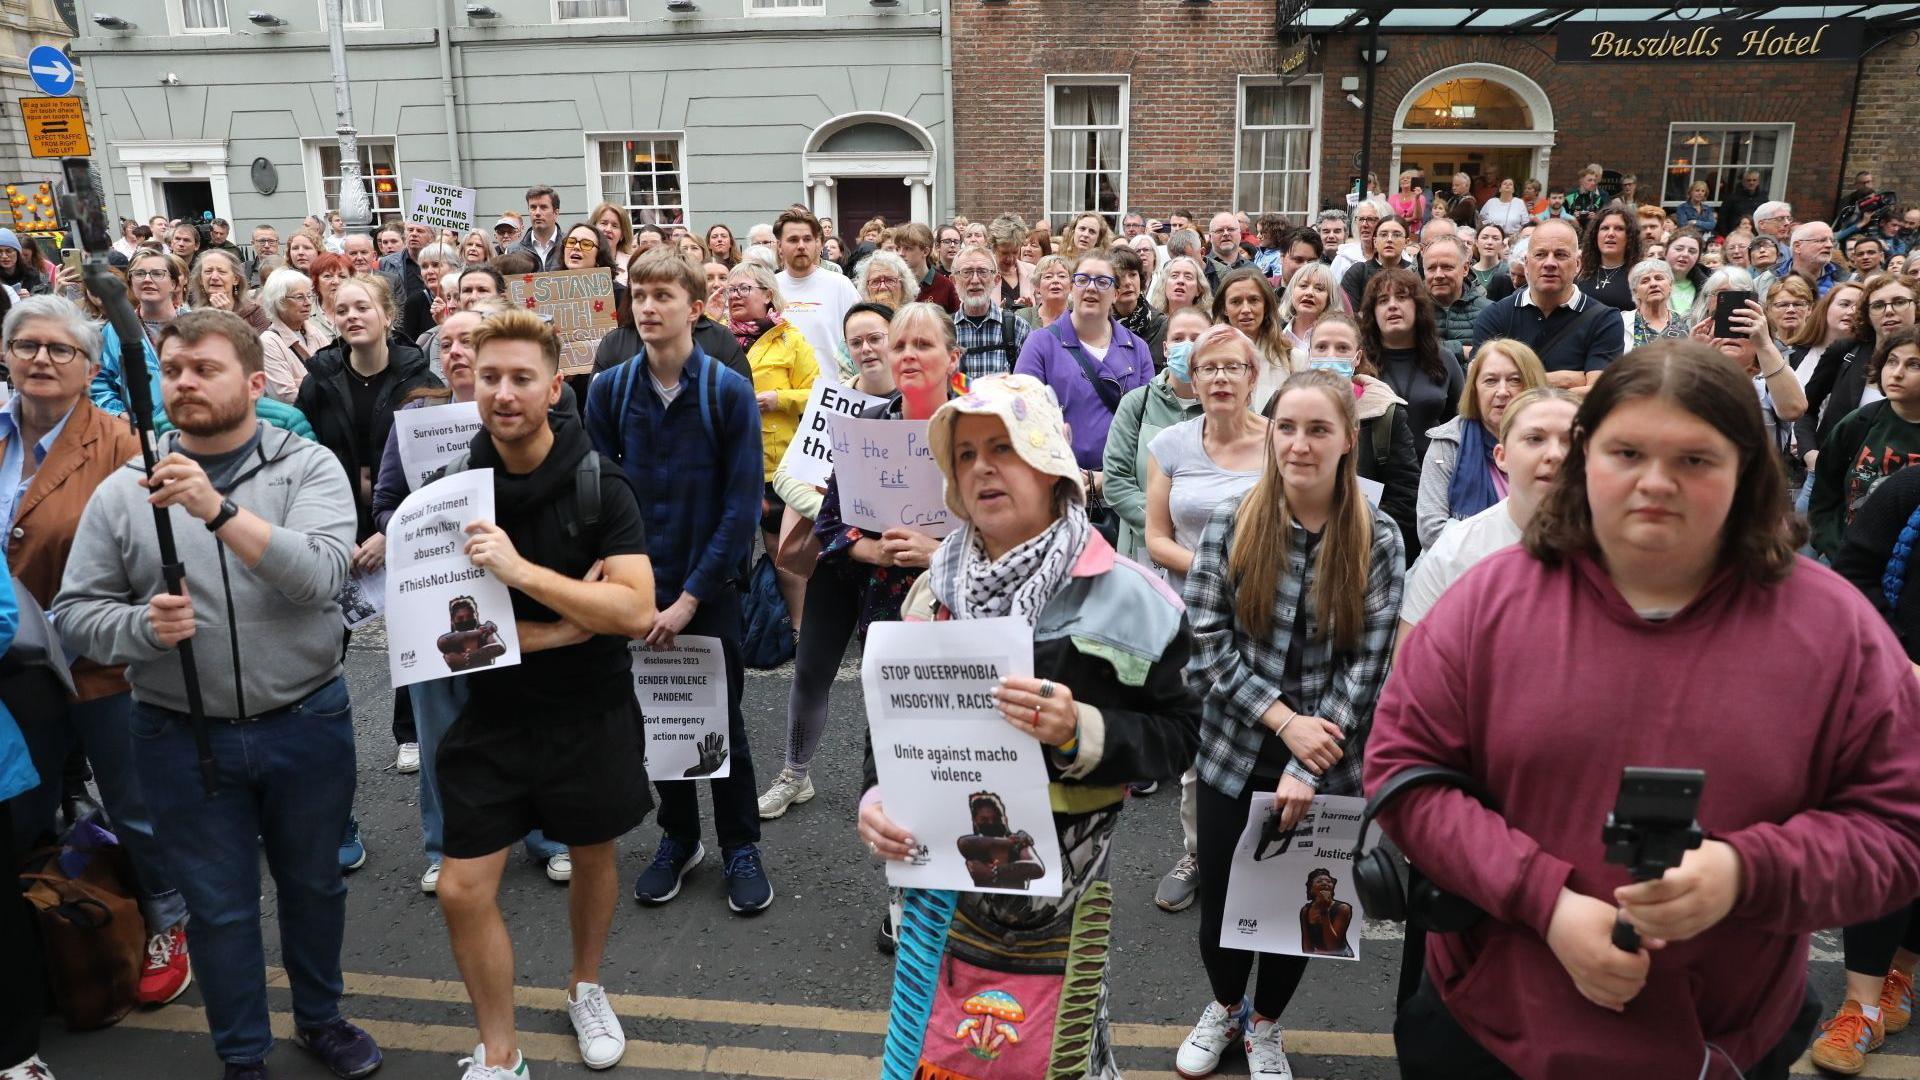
51, 70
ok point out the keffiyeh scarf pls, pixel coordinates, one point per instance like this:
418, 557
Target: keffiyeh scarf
1019, 582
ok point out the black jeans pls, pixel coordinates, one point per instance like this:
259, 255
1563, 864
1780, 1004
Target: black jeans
1432, 1045
1218, 821
1869, 946
833, 614
23, 992
736, 800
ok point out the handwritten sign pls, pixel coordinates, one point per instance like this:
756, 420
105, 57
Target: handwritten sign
431, 437
809, 457
580, 305
443, 206
887, 476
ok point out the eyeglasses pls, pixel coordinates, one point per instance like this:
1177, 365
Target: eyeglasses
1214, 371
1101, 282
883, 282
581, 243
1898, 303
745, 288
979, 273
1791, 305
877, 340
25, 349
149, 275
299, 298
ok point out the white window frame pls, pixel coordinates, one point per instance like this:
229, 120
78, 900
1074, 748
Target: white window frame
596, 183
377, 24
1783, 159
316, 178
1316, 88
177, 16
756, 11
1125, 83
554, 9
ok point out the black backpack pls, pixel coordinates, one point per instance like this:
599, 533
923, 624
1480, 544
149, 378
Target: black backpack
578, 515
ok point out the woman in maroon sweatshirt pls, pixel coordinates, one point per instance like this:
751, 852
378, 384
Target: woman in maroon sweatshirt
1661, 619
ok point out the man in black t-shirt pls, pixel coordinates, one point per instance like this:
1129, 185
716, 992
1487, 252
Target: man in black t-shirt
554, 743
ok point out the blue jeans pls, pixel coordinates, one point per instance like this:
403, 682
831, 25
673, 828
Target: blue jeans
100, 728
436, 704
286, 782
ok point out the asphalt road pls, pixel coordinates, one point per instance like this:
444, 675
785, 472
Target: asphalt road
798, 991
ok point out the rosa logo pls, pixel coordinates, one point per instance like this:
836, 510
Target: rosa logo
408, 658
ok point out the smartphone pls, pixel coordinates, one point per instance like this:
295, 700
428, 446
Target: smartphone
1725, 303
70, 258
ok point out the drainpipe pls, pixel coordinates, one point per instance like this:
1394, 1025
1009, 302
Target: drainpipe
446, 90
946, 86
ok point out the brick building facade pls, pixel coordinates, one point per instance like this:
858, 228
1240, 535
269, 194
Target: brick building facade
1882, 139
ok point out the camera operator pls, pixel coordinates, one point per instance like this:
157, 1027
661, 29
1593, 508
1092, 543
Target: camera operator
1664, 552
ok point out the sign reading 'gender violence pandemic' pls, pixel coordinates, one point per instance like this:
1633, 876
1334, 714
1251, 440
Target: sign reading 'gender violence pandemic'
443, 206
429, 438
809, 457
970, 788
1292, 892
683, 697
887, 475
445, 615
580, 305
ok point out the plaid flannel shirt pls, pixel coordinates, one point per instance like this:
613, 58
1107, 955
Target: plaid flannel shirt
985, 342
1244, 676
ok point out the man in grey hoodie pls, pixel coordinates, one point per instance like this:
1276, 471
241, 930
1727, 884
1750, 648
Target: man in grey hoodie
264, 524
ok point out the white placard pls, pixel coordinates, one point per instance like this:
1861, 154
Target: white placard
443, 206
1292, 893
887, 476
362, 598
1372, 489
445, 615
809, 457
432, 436
968, 786
683, 695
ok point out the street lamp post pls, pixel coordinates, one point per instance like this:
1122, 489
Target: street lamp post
354, 207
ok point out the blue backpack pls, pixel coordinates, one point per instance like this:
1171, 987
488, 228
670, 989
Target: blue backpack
766, 641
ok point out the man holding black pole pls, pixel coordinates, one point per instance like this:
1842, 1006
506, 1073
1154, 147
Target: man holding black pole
264, 524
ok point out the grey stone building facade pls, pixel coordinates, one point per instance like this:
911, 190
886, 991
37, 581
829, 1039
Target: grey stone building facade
722, 113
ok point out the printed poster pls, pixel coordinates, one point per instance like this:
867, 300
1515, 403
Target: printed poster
809, 457
683, 695
887, 476
362, 598
579, 304
1292, 892
445, 616
431, 437
969, 787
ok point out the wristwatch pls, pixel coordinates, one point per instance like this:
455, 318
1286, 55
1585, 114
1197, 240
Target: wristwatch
226, 514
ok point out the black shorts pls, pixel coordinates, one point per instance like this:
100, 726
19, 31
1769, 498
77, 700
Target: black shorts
772, 508
581, 779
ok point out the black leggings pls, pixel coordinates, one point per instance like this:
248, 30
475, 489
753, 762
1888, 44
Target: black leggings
1218, 822
23, 990
1869, 946
833, 614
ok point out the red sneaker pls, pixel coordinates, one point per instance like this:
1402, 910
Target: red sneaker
167, 973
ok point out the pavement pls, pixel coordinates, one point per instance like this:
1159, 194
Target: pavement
798, 991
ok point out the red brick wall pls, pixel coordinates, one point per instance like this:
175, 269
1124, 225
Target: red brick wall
1882, 140
1183, 112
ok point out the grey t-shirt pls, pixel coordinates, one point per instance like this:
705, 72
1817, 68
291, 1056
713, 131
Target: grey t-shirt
1198, 483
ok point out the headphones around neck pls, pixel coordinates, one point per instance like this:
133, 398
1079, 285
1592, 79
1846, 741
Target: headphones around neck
1390, 887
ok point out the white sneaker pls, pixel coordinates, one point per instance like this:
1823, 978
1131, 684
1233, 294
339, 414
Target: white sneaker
1266, 1054
408, 760
560, 867
1200, 1054
788, 790
478, 1069
595, 1025
430, 881
31, 1069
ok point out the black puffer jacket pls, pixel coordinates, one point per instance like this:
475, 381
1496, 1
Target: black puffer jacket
328, 404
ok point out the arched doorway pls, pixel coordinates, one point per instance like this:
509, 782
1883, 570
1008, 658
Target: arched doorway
864, 165
1487, 121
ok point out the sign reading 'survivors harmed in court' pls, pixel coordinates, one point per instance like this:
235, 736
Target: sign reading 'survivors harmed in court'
1680, 41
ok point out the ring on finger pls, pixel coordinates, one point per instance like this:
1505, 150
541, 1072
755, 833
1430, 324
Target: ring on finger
1046, 688
874, 848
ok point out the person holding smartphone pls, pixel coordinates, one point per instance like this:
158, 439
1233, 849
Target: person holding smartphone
1666, 533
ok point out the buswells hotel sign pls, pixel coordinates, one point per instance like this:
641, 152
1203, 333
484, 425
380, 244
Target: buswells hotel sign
1679, 41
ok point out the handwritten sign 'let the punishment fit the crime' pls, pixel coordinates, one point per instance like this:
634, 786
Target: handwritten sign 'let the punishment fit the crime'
579, 303
887, 476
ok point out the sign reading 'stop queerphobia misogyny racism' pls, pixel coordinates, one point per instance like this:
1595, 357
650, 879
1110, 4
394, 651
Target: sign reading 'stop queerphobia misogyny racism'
968, 786
887, 476
683, 698
579, 303
444, 614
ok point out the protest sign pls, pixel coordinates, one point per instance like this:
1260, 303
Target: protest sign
1292, 893
887, 476
970, 787
443, 206
579, 303
444, 614
362, 598
431, 437
683, 695
809, 457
